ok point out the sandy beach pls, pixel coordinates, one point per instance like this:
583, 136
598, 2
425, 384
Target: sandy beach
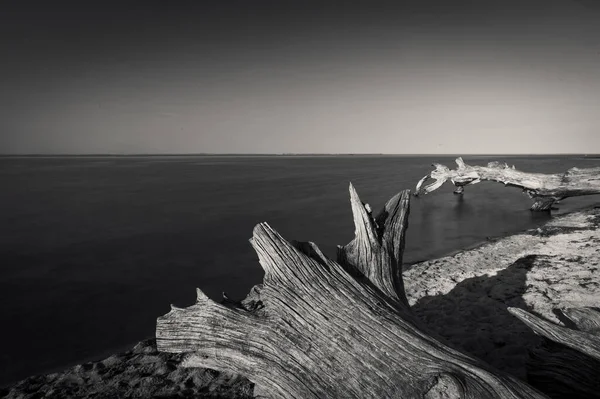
462, 297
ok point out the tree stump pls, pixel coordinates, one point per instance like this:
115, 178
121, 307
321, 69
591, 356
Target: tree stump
317, 328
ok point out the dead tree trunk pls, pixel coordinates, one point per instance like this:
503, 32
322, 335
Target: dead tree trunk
317, 328
544, 189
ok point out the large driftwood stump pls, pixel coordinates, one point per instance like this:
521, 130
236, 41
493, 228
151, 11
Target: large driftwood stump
317, 328
544, 189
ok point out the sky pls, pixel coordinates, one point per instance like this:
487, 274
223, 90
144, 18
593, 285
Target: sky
402, 77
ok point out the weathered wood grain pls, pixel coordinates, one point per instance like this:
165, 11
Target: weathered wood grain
544, 189
317, 328
572, 371
563, 373
586, 339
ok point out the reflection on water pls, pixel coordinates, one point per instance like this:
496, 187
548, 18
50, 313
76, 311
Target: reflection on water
92, 250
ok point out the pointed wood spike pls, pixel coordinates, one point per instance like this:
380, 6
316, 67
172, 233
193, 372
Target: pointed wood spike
363, 221
380, 259
201, 296
393, 219
420, 184
280, 260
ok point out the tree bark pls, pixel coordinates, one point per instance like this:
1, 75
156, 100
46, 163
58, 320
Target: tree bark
544, 189
317, 328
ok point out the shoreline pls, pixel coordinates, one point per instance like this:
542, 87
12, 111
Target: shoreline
491, 239
464, 291
409, 265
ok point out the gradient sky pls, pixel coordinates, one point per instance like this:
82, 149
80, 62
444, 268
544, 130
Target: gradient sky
447, 76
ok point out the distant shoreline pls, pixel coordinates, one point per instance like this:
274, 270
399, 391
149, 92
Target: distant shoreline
593, 156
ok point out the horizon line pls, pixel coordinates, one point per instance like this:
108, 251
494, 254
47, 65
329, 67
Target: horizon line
9, 155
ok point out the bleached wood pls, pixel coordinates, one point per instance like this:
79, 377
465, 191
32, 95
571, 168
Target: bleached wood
544, 189
317, 328
377, 248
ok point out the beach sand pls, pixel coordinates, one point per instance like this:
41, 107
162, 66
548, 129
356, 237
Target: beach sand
462, 297
142, 372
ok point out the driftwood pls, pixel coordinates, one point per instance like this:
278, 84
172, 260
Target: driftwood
544, 189
317, 328
585, 339
567, 372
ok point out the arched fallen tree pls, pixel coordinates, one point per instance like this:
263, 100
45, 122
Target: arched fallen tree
544, 189
317, 328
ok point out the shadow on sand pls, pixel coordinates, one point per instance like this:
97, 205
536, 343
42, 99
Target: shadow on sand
473, 317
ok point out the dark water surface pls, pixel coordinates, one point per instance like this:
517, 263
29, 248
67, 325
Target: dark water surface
93, 249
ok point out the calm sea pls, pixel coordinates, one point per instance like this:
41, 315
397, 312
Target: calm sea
93, 249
